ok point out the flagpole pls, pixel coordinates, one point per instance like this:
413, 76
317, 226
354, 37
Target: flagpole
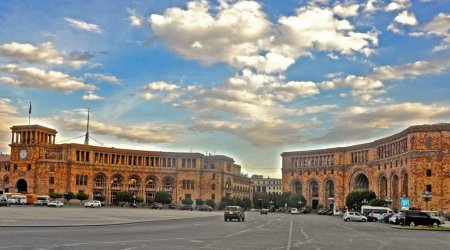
29, 115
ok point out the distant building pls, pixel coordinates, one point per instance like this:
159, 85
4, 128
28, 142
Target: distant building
38, 165
267, 185
404, 165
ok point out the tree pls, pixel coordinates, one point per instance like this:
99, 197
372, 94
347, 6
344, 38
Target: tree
247, 203
100, 197
225, 201
150, 199
199, 202
378, 203
139, 199
122, 197
355, 199
163, 197
55, 195
260, 199
69, 196
210, 203
82, 196
187, 201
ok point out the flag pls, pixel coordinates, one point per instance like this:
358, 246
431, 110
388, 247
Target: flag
29, 111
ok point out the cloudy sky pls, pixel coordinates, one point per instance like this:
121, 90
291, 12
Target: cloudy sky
246, 79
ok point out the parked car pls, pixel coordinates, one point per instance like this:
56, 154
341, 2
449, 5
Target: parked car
354, 216
395, 219
305, 210
385, 217
294, 211
436, 215
156, 205
93, 203
187, 207
233, 212
41, 203
4, 203
414, 218
204, 208
55, 204
264, 211
171, 206
371, 217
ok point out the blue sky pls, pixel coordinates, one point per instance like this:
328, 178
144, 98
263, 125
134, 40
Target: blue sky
247, 79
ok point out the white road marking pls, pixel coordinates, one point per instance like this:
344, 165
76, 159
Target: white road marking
290, 235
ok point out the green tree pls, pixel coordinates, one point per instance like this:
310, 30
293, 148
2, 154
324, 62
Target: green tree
199, 202
69, 196
100, 197
55, 195
210, 203
247, 203
355, 199
82, 196
163, 197
378, 203
123, 197
139, 199
187, 201
150, 199
225, 201
260, 199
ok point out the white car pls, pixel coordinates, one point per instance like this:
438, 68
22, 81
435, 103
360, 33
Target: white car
93, 203
355, 216
55, 204
295, 211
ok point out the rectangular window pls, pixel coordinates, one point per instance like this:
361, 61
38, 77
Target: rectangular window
213, 196
51, 180
428, 172
183, 163
213, 186
51, 191
429, 188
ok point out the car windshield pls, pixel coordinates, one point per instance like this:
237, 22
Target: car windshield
231, 209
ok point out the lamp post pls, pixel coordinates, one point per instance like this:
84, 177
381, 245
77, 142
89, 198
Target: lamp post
388, 201
427, 196
271, 205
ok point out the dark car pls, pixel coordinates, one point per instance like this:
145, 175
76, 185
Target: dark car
204, 208
371, 217
305, 211
171, 206
4, 203
187, 207
386, 218
41, 203
233, 212
264, 211
414, 218
156, 206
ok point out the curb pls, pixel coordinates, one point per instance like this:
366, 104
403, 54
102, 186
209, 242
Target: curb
440, 228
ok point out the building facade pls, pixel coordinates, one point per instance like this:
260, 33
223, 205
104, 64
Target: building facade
406, 164
39, 165
266, 185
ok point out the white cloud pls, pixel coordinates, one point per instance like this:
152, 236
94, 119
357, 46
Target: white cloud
75, 121
135, 19
346, 11
439, 26
31, 77
240, 34
406, 18
82, 25
91, 96
396, 5
103, 78
360, 123
371, 6
43, 54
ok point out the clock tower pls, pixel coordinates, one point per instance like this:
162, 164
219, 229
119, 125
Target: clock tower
26, 144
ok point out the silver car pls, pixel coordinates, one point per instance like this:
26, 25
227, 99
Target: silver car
354, 216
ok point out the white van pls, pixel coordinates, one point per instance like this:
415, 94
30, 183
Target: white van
17, 199
377, 211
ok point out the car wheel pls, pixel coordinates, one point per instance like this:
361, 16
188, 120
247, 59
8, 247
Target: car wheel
92, 205
412, 224
435, 224
363, 220
348, 219
225, 219
243, 219
239, 219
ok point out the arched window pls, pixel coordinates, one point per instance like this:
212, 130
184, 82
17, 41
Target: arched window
99, 181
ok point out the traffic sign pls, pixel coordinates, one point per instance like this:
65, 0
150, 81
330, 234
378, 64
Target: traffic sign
404, 203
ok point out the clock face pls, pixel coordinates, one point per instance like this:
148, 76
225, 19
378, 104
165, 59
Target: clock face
23, 154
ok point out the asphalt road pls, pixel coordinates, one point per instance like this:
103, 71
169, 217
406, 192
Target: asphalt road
272, 231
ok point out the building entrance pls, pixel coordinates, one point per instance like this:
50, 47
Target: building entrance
22, 186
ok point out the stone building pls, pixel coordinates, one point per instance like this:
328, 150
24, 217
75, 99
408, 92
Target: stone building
406, 164
267, 185
39, 165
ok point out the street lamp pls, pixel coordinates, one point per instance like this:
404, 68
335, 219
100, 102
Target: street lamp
427, 196
134, 200
388, 201
271, 205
